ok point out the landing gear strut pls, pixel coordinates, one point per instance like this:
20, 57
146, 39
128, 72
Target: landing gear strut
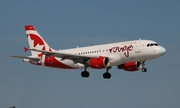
85, 74
107, 75
143, 68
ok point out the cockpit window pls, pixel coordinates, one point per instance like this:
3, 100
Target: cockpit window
152, 44
156, 44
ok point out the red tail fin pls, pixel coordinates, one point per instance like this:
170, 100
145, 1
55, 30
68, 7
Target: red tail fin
35, 40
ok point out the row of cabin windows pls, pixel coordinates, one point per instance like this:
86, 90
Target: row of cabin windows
152, 44
90, 52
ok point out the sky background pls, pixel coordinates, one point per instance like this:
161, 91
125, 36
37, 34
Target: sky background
68, 23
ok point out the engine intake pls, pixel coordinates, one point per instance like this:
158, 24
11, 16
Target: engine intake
99, 63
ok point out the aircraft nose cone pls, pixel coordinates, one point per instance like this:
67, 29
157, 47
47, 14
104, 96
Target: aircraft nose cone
162, 51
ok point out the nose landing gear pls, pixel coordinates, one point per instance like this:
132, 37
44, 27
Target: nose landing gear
143, 68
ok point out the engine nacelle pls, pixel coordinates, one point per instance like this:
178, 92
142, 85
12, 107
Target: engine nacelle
99, 63
130, 66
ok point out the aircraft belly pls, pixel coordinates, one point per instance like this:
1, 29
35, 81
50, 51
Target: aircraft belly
58, 63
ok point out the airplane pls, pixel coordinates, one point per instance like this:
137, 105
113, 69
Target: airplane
128, 55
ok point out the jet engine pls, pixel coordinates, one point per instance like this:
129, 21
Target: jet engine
130, 66
99, 63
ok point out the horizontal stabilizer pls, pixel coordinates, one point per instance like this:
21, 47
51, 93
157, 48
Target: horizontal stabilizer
23, 57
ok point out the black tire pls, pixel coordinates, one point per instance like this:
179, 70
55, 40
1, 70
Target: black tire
85, 74
144, 70
106, 75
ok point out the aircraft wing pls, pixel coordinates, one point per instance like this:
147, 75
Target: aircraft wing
65, 55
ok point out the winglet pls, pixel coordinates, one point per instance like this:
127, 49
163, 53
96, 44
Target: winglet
25, 49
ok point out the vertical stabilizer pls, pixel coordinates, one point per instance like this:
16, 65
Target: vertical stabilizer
35, 40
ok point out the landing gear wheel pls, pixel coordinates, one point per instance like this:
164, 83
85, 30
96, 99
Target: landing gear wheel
85, 74
143, 69
107, 75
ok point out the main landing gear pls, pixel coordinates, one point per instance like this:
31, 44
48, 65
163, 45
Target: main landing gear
106, 75
143, 68
85, 74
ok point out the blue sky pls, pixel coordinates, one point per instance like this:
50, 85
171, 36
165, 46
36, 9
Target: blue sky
68, 23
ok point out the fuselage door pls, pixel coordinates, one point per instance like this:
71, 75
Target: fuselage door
138, 47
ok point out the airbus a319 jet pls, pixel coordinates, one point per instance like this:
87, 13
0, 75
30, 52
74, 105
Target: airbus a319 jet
129, 55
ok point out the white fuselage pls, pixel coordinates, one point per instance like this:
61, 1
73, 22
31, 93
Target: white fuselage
118, 53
